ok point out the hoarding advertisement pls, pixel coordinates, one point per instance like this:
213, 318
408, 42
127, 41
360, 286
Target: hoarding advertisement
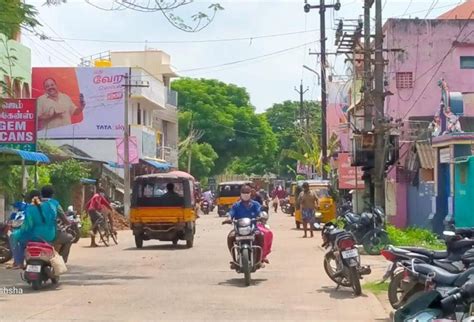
79, 102
349, 177
18, 124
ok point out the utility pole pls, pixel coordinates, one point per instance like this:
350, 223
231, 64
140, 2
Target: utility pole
322, 10
301, 118
126, 145
380, 129
190, 150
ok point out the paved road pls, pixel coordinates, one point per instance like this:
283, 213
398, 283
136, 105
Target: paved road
161, 282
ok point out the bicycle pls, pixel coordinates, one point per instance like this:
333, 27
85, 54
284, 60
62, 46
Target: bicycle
105, 230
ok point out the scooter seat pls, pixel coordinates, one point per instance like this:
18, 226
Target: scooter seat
444, 277
427, 252
404, 253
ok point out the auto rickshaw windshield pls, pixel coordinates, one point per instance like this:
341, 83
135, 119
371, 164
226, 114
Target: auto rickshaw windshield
229, 190
160, 193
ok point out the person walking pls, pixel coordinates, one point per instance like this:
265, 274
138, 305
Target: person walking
308, 203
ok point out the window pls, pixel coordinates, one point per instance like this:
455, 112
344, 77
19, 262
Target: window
404, 80
467, 62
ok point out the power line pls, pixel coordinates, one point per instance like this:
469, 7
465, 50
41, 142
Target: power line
439, 66
247, 59
250, 38
63, 59
424, 10
71, 49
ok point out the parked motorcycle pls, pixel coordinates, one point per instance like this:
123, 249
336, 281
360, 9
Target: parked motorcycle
246, 256
416, 277
38, 270
342, 260
5, 249
455, 305
286, 206
368, 229
205, 207
451, 260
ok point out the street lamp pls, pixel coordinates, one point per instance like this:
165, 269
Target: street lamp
312, 70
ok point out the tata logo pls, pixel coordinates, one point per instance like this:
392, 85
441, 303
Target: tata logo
112, 79
104, 127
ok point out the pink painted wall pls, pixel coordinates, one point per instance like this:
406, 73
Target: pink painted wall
430, 55
425, 44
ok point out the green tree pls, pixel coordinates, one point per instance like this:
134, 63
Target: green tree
15, 14
283, 118
64, 176
227, 120
202, 160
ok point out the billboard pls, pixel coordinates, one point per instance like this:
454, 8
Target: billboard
18, 124
81, 102
349, 177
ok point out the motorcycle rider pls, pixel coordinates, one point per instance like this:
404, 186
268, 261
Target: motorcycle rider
63, 239
39, 225
256, 197
244, 208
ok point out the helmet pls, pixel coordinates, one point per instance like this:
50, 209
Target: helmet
366, 218
70, 209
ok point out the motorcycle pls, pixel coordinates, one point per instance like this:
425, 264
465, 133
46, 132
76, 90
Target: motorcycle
246, 256
342, 250
368, 229
5, 249
74, 226
452, 260
286, 206
434, 306
38, 270
417, 277
205, 207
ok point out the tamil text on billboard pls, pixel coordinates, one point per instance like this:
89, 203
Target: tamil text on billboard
350, 177
79, 102
18, 124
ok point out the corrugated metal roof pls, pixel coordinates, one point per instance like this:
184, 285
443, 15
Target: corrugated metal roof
29, 157
426, 154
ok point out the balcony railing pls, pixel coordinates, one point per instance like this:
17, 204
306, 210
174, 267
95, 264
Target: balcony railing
172, 98
169, 154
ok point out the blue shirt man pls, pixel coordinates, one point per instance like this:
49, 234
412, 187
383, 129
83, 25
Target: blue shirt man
240, 210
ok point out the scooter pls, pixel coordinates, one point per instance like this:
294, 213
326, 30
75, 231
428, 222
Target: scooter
38, 269
205, 208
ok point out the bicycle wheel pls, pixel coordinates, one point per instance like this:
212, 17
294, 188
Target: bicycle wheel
103, 232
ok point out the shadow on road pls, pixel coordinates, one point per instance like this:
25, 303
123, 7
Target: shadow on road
239, 282
341, 293
167, 247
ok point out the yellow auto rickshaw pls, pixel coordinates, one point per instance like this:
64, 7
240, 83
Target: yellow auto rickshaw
327, 206
295, 190
228, 193
163, 208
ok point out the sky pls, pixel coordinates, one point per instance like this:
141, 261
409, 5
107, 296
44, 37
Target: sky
269, 79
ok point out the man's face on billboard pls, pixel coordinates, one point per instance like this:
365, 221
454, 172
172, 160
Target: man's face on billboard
50, 87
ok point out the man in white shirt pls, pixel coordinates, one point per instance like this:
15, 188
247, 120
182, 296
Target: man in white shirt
55, 109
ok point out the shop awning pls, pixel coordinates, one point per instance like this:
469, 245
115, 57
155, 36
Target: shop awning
158, 164
14, 156
426, 154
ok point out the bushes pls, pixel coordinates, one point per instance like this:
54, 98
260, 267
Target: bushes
414, 236
86, 226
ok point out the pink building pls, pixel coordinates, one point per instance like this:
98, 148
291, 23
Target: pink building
420, 53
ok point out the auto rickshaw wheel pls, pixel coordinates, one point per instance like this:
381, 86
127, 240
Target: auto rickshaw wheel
190, 242
138, 241
175, 241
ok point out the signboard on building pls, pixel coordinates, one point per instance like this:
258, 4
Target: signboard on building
79, 102
303, 168
18, 124
445, 155
350, 177
132, 151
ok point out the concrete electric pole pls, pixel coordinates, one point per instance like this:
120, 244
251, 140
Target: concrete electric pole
322, 10
380, 128
302, 109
